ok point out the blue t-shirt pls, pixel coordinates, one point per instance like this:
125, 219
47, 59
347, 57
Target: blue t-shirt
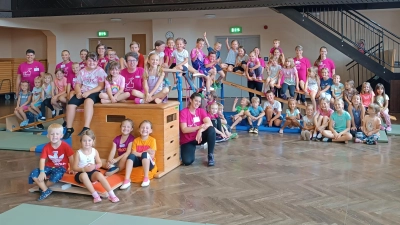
295, 113
231, 57
340, 121
24, 97
255, 111
337, 89
217, 53
325, 83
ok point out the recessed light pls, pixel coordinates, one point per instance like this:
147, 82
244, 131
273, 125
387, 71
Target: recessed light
115, 19
210, 16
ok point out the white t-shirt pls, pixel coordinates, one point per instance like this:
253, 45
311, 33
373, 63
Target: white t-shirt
160, 54
181, 56
276, 106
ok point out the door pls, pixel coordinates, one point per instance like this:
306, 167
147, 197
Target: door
141, 39
117, 44
249, 43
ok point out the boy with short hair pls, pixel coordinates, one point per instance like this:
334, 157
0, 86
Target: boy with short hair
53, 161
371, 125
254, 113
337, 89
276, 42
273, 110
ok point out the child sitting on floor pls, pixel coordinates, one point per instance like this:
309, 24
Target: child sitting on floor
292, 116
322, 118
24, 98
240, 111
143, 152
87, 162
224, 122
122, 145
255, 113
53, 161
370, 126
339, 125
273, 110
212, 112
308, 128
357, 113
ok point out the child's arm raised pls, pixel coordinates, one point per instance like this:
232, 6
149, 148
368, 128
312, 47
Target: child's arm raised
205, 39
227, 44
234, 105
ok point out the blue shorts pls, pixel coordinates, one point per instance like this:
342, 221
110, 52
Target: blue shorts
137, 161
218, 68
55, 174
38, 104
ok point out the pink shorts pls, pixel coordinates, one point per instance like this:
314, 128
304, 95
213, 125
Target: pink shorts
25, 107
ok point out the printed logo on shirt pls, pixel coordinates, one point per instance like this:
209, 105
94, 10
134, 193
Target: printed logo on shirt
57, 160
27, 73
142, 148
114, 88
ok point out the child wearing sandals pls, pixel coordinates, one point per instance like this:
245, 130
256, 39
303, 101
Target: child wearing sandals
292, 116
53, 161
143, 153
322, 118
240, 111
308, 128
371, 126
87, 161
357, 113
339, 125
255, 113
122, 145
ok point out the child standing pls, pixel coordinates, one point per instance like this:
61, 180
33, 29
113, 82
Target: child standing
348, 93
24, 98
308, 130
339, 125
87, 161
254, 69
122, 145
312, 84
290, 78
143, 154
326, 83
240, 111
322, 117
276, 43
357, 113
53, 161
231, 57
60, 91
273, 70
255, 113
371, 126
47, 94
383, 102
367, 95
292, 116
159, 47
337, 89
152, 82
36, 97
115, 85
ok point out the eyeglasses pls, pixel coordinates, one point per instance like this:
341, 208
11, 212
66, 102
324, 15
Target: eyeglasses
130, 61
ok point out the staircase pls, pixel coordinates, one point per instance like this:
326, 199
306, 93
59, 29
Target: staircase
343, 28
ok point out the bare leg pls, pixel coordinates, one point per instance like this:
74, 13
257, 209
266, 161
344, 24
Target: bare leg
146, 166
230, 68
312, 95
100, 177
71, 110
42, 185
128, 169
287, 123
22, 113
123, 96
84, 178
138, 94
88, 111
236, 122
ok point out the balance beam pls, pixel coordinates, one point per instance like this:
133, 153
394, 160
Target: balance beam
258, 93
13, 125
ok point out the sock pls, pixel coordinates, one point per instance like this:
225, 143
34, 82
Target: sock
327, 139
95, 194
126, 181
319, 135
53, 112
111, 193
145, 179
314, 134
141, 101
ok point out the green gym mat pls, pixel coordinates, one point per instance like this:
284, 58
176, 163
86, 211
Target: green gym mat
383, 138
54, 215
2, 126
20, 141
395, 130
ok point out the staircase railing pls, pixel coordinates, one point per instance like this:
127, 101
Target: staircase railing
352, 27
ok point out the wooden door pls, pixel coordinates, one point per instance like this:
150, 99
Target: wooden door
141, 39
117, 44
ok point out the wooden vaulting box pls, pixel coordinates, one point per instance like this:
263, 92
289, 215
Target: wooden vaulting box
106, 126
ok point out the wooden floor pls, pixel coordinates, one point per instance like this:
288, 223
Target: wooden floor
258, 179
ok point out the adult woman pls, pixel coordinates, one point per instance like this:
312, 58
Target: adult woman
89, 83
29, 70
66, 66
133, 75
101, 55
324, 62
195, 129
82, 54
302, 64
252, 83
134, 47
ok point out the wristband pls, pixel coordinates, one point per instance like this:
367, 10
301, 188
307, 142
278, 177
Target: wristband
41, 171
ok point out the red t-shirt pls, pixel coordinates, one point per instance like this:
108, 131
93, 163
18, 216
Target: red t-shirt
57, 157
141, 61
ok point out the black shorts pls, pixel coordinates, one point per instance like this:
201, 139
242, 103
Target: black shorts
75, 101
90, 174
238, 68
172, 65
230, 64
137, 161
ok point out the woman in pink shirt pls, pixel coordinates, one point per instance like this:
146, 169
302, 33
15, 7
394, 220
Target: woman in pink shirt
29, 70
302, 64
324, 62
101, 56
66, 66
195, 129
133, 75
82, 54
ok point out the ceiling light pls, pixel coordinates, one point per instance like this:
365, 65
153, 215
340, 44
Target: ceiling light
115, 19
210, 16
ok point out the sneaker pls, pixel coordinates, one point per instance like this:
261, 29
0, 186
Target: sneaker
218, 85
64, 124
357, 140
214, 85
389, 128
24, 123
219, 139
211, 159
255, 130
83, 130
97, 199
145, 183
68, 133
40, 126
43, 118
307, 135
113, 199
303, 135
314, 139
45, 194
382, 127
111, 171
251, 130
234, 136
125, 185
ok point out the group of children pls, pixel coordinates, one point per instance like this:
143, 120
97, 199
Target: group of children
127, 152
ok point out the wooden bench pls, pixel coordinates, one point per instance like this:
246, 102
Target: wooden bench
106, 124
12, 123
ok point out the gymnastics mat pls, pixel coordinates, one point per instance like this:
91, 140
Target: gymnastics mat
65, 216
383, 138
20, 141
68, 184
395, 130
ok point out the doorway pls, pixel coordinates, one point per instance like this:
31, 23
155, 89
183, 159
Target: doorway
141, 39
117, 44
249, 42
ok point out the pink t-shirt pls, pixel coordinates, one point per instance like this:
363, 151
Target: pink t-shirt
133, 80
90, 79
326, 63
185, 116
366, 98
302, 65
28, 72
262, 62
73, 82
116, 85
212, 116
67, 68
200, 55
102, 62
325, 113
61, 84
82, 64
168, 53
273, 49
255, 62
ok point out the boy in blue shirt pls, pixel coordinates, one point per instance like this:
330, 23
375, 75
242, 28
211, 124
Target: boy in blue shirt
254, 113
326, 84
